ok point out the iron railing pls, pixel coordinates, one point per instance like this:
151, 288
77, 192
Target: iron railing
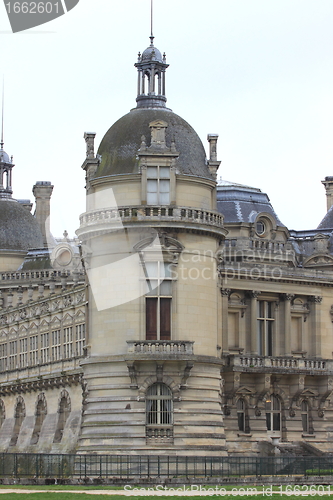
108, 467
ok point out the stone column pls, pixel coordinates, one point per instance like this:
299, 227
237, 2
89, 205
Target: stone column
287, 323
315, 341
225, 292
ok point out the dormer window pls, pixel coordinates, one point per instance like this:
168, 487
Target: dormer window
260, 227
158, 185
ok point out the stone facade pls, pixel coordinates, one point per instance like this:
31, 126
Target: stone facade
186, 318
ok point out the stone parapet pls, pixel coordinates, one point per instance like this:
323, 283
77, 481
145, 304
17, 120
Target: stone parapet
160, 347
281, 364
115, 217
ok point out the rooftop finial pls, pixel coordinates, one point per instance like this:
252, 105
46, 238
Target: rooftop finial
3, 99
151, 23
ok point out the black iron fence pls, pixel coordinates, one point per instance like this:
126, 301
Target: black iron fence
109, 467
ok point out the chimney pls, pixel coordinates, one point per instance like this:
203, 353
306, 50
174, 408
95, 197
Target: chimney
328, 183
213, 163
42, 192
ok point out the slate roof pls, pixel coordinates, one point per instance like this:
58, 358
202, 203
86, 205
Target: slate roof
240, 203
327, 222
19, 230
121, 143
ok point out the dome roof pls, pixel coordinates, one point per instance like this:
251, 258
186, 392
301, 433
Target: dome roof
19, 230
121, 143
151, 54
4, 158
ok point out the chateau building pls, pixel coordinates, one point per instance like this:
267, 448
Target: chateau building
185, 319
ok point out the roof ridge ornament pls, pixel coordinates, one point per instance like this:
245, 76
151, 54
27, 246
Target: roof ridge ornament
3, 101
151, 24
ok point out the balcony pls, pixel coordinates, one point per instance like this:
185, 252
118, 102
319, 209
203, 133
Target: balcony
283, 364
160, 348
115, 218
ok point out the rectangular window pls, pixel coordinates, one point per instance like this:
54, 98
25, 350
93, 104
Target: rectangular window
265, 328
56, 345
3, 357
23, 353
33, 355
45, 347
13, 355
158, 301
158, 185
68, 342
80, 336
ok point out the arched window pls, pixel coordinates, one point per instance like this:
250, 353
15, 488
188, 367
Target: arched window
2, 412
63, 411
305, 416
159, 411
273, 413
40, 416
19, 416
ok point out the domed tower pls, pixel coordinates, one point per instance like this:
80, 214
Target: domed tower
150, 236
19, 230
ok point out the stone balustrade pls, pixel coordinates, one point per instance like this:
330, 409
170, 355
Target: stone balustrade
152, 347
152, 213
252, 362
40, 377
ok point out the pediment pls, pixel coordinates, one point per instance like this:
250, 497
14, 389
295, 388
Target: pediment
318, 260
158, 124
80, 316
44, 325
244, 390
68, 319
55, 321
308, 393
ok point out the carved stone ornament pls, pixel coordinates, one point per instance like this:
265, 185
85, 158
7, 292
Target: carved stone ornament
292, 412
321, 413
257, 412
227, 411
316, 299
254, 294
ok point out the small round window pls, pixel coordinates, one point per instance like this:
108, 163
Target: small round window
260, 227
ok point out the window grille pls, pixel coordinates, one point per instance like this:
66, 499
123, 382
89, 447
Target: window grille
68, 342
23, 353
159, 411
56, 345
44, 347
13, 355
80, 335
33, 355
3, 357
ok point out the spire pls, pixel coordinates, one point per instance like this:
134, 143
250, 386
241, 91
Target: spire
151, 23
6, 163
151, 67
3, 101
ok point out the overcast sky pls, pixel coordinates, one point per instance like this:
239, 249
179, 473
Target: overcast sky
257, 72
